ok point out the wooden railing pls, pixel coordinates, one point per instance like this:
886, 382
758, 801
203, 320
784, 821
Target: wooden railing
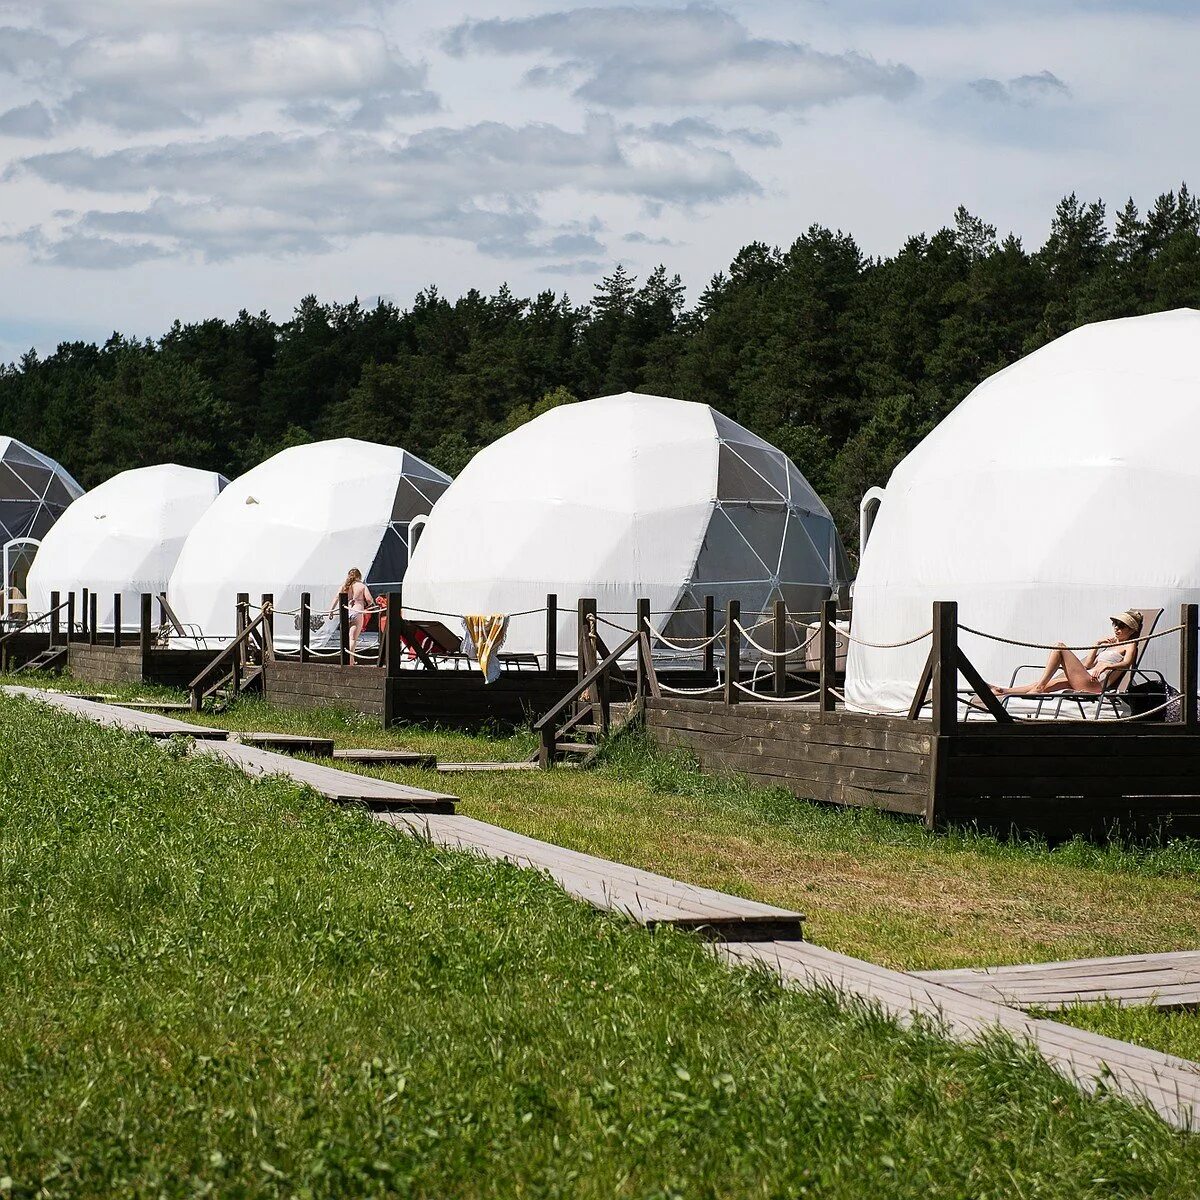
235, 656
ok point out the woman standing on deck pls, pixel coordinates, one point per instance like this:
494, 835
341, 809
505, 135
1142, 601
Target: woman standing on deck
358, 600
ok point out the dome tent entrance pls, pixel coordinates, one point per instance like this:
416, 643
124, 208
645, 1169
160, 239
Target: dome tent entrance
297, 523
123, 537
619, 498
1056, 494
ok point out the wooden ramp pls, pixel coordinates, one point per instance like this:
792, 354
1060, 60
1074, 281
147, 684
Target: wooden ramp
117, 717
1160, 980
287, 743
1170, 1085
342, 787
640, 895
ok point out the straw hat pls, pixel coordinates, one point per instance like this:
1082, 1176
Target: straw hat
1130, 619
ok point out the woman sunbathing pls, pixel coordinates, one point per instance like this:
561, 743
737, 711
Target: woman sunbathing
1067, 672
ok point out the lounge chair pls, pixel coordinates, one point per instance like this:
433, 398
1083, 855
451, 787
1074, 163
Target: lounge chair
1114, 687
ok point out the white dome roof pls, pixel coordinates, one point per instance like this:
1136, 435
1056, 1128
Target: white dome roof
297, 523
619, 498
1060, 491
123, 536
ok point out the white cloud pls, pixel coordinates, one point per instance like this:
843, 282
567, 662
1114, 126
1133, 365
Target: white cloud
1023, 89
697, 56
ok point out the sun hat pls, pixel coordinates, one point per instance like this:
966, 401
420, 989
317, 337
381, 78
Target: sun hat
1130, 619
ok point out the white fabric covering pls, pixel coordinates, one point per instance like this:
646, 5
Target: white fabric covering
123, 536
619, 498
1062, 490
297, 523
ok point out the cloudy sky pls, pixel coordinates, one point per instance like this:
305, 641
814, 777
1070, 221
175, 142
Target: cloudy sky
193, 157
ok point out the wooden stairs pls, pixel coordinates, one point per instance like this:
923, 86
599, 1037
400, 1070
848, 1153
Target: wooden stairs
576, 728
52, 659
238, 668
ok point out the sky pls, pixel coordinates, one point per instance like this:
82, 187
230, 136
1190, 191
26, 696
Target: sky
190, 158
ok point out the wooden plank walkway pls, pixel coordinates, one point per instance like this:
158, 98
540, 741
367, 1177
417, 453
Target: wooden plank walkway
287, 743
643, 896
467, 768
342, 787
1170, 1085
150, 723
387, 758
1169, 980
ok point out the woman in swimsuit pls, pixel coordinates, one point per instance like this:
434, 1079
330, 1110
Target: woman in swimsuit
1067, 672
358, 600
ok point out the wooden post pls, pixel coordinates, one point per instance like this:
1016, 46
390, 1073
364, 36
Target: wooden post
585, 620
642, 625
779, 646
55, 601
145, 629
305, 621
83, 612
393, 653
70, 616
710, 627
945, 668
92, 619
343, 630
243, 613
1187, 664
268, 608
733, 651
240, 623
827, 641
116, 620
551, 633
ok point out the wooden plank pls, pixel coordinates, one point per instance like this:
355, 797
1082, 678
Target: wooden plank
465, 768
397, 758
287, 743
120, 718
342, 787
643, 896
1170, 1085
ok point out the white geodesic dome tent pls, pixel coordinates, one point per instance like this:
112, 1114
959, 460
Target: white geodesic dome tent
297, 523
34, 493
1062, 490
122, 537
619, 498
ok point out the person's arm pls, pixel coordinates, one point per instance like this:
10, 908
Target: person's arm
334, 606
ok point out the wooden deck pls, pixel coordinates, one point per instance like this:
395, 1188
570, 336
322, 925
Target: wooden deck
1169, 980
386, 758
1052, 778
642, 896
1170, 1085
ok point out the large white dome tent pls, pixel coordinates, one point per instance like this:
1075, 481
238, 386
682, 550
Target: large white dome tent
620, 498
297, 523
1059, 492
34, 492
122, 537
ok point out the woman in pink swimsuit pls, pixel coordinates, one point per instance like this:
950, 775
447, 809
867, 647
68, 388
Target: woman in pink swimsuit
1067, 672
358, 600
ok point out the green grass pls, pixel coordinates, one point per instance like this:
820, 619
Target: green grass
870, 884
212, 985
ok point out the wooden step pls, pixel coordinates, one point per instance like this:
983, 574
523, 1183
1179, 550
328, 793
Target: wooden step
575, 747
465, 768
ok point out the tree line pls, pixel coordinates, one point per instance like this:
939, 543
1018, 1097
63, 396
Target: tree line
845, 361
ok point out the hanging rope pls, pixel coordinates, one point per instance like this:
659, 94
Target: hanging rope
920, 637
775, 653
775, 699
704, 691
995, 637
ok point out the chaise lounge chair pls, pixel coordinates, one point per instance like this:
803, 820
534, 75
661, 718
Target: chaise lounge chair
1114, 687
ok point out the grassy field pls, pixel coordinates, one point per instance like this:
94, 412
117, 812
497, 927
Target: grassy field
212, 985
871, 885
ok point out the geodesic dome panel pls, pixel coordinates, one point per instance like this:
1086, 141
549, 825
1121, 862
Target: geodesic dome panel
619, 498
297, 523
122, 537
34, 491
1059, 492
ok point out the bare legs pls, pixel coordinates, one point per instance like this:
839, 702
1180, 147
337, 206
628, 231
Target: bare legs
1064, 672
356, 624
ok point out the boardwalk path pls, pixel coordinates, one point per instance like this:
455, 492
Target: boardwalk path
754, 934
